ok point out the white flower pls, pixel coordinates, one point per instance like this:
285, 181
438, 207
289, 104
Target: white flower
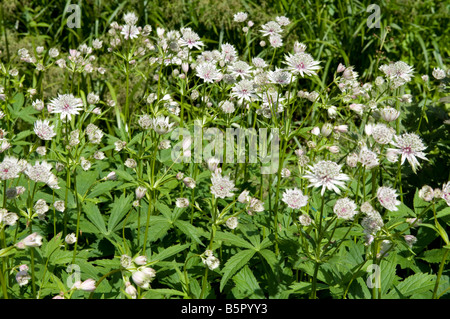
208, 72
9, 168
438, 73
389, 114
326, 174
367, 158
345, 208
304, 220
240, 17
254, 205
182, 202
240, 69
382, 134
130, 31
294, 198
33, 240
445, 194
87, 285
71, 238
190, 39
398, 71
302, 63
22, 277
388, 198
222, 187
271, 28
244, 91
426, 193
232, 222
130, 18
372, 223
227, 107
161, 125
66, 104
410, 146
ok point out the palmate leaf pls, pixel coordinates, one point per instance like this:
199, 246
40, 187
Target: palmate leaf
234, 264
120, 208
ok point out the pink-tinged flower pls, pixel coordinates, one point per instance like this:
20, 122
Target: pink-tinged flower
9, 168
190, 39
302, 63
271, 28
87, 285
345, 208
326, 174
294, 198
33, 240
445, 194
410, 146
244, 91
43, 130
388, 198
66, 105
398, 71
208, 72
222, 187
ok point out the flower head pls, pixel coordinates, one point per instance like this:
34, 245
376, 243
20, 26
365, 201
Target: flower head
388, 198
326, 174
410, 146
221, 186
345, 208
66, 105
294, 198
302, 63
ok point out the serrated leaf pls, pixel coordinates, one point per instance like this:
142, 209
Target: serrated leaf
94, 215
155, 293
85, 180
119, 209
164, 209
235, 263
270, 257
102, 188
433, 255
232, 239
415, 284
189, 230
52, 245
169, 252
247, 285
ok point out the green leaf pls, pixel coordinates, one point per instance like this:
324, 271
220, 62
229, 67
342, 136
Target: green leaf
164, 209
156, 293
415, 284
189, 230
85, 180
7, 251
235, 263
246, 285
52, 245
444, 212
120, 208
169, 252
102, 188
433, 256
94, 215
270, 257
232, 239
